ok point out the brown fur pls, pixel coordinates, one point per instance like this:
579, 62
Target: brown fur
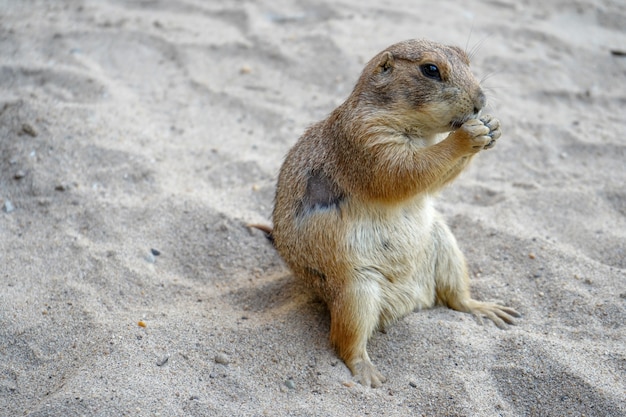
354, 217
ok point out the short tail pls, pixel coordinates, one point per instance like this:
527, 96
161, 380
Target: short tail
267, 230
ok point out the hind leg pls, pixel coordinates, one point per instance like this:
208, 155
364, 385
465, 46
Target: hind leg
354, 315
452, 281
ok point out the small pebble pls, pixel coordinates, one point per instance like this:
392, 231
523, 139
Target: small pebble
246, 69
19, 175
290, 384
163, 360
150, 258
141, 323
222, 358
155, 252
531, 255
8, 206
29, 129
413, 384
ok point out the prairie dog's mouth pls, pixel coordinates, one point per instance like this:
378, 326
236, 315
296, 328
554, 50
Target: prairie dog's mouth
457, 123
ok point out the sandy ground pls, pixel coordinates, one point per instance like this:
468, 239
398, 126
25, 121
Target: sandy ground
138, 137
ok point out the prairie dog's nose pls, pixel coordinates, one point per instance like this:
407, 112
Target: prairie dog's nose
479, 101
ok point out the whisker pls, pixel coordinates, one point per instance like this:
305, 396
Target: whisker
477, 47
469, 36
497, 87
489, 75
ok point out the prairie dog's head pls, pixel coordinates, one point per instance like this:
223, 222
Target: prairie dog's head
420, 86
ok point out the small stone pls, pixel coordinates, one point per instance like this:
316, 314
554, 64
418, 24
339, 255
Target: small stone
531, 256
246, 69
222, 359
61, 187
290, 384
150, 258
19, 175
8, 206
29, 129
141, 323
163, 360
413, 384
155, 252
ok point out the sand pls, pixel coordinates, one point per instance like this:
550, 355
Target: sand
137, 138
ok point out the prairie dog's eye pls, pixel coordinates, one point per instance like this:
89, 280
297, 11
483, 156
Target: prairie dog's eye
431, 71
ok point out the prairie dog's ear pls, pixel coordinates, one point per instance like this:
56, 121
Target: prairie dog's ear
386, 62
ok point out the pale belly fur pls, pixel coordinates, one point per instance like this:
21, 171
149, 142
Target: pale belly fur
393, 256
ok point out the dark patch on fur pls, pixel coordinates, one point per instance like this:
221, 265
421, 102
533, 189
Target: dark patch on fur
321, 193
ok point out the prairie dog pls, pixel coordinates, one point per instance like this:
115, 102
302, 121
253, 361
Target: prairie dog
354, 216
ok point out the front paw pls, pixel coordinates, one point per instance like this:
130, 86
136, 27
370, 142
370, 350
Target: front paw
482, 133
494, 130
